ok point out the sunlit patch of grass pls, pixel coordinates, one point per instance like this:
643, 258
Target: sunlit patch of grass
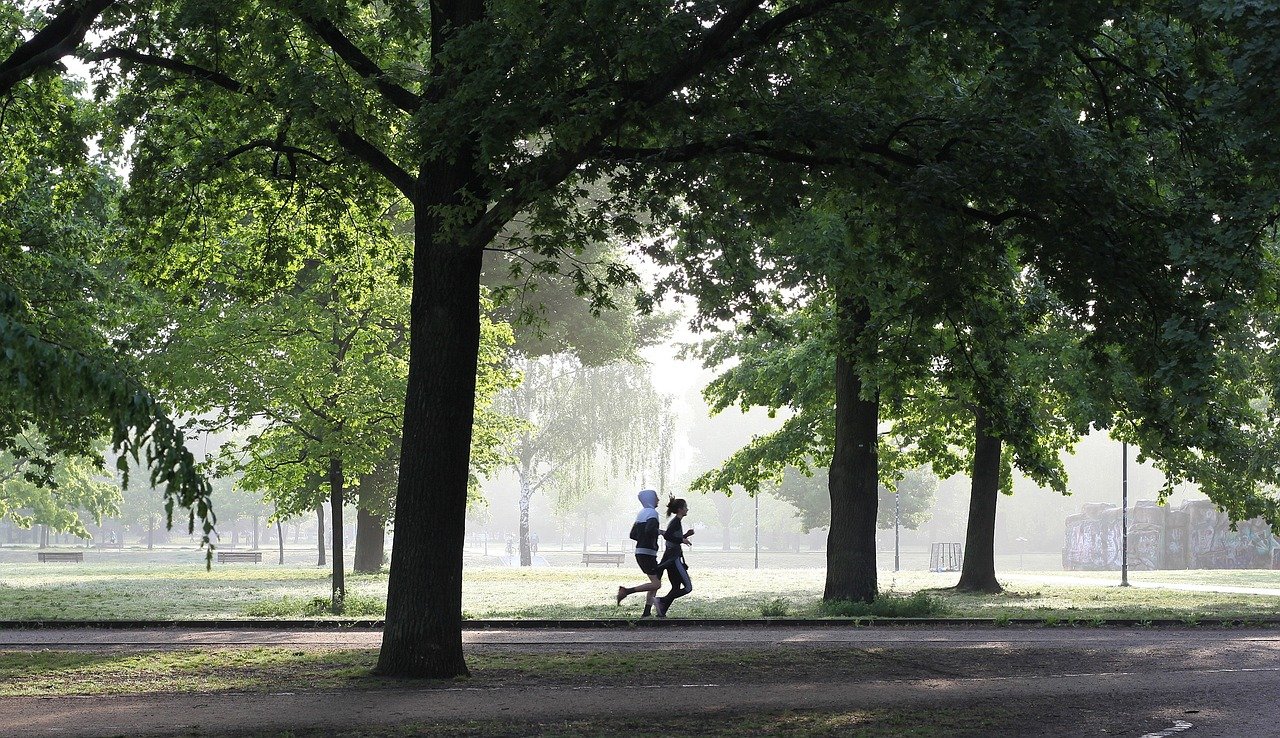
45, 673
55, 673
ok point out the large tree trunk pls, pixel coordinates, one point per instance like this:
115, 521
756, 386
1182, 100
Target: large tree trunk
851, 542
371, 532
320, 535
978, 572
422, 636
335, 525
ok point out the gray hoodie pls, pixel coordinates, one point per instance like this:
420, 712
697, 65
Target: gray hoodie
645, 530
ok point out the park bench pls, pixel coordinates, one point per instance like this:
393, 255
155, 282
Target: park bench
229, 557
117, 545
590, 558
67, 556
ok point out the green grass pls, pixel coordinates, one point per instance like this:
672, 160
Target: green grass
916, 605
56, 673
119, 591
46, 673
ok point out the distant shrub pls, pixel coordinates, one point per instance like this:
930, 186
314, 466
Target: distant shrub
778, 607
918, 605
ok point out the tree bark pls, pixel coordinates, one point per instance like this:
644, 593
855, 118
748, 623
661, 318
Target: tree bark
371, 532
852, 481
255, 532
335, 525
280, 540
978, 572
151, 530
526, 495
422, 636
61, 36
320, 535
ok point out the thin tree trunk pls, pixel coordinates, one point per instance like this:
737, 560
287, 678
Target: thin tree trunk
320, 534
526, 555
280, 540
151, 530
371, 532
978, 572
255, 532
422, 635
852, 483
335, 525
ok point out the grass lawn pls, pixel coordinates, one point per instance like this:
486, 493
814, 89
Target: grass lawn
126, 592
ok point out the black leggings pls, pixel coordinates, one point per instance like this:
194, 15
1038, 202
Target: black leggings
681, 584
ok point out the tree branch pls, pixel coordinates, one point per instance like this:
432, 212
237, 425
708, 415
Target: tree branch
173, 65
377, 160
362, 64
552, 168
346, 137
755, 143
270, 145
61, 37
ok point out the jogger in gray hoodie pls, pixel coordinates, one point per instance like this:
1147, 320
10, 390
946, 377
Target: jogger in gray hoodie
645, 533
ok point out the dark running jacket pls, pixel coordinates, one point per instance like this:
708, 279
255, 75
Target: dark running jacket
674, 535
645, 534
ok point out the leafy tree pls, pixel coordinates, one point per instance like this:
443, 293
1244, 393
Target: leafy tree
62, 376
573, 415
479, 112
318, 371
465, 112
33, 494
915, 492
1067, 194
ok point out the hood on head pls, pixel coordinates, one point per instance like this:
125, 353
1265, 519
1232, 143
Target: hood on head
648, 498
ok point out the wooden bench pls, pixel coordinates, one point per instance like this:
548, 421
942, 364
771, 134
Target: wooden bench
590, 558
67, 556
117, 545
228, 557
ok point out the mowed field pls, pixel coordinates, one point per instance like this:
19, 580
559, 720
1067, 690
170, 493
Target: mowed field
121, 587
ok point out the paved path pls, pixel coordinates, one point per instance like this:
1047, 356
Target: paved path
1023, 681
692, 637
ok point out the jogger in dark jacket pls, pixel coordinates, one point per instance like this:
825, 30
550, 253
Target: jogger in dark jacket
645, 533
673, 556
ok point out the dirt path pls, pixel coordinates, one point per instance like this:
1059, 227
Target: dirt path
978, 682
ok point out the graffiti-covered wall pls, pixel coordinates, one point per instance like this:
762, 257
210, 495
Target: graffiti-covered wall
1193, 536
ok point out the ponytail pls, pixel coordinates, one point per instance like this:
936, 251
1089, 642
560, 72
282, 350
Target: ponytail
675, 503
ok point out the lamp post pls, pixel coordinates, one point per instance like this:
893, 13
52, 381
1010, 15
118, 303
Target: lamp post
1124, 514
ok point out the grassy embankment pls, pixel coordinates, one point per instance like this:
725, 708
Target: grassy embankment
31, 591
